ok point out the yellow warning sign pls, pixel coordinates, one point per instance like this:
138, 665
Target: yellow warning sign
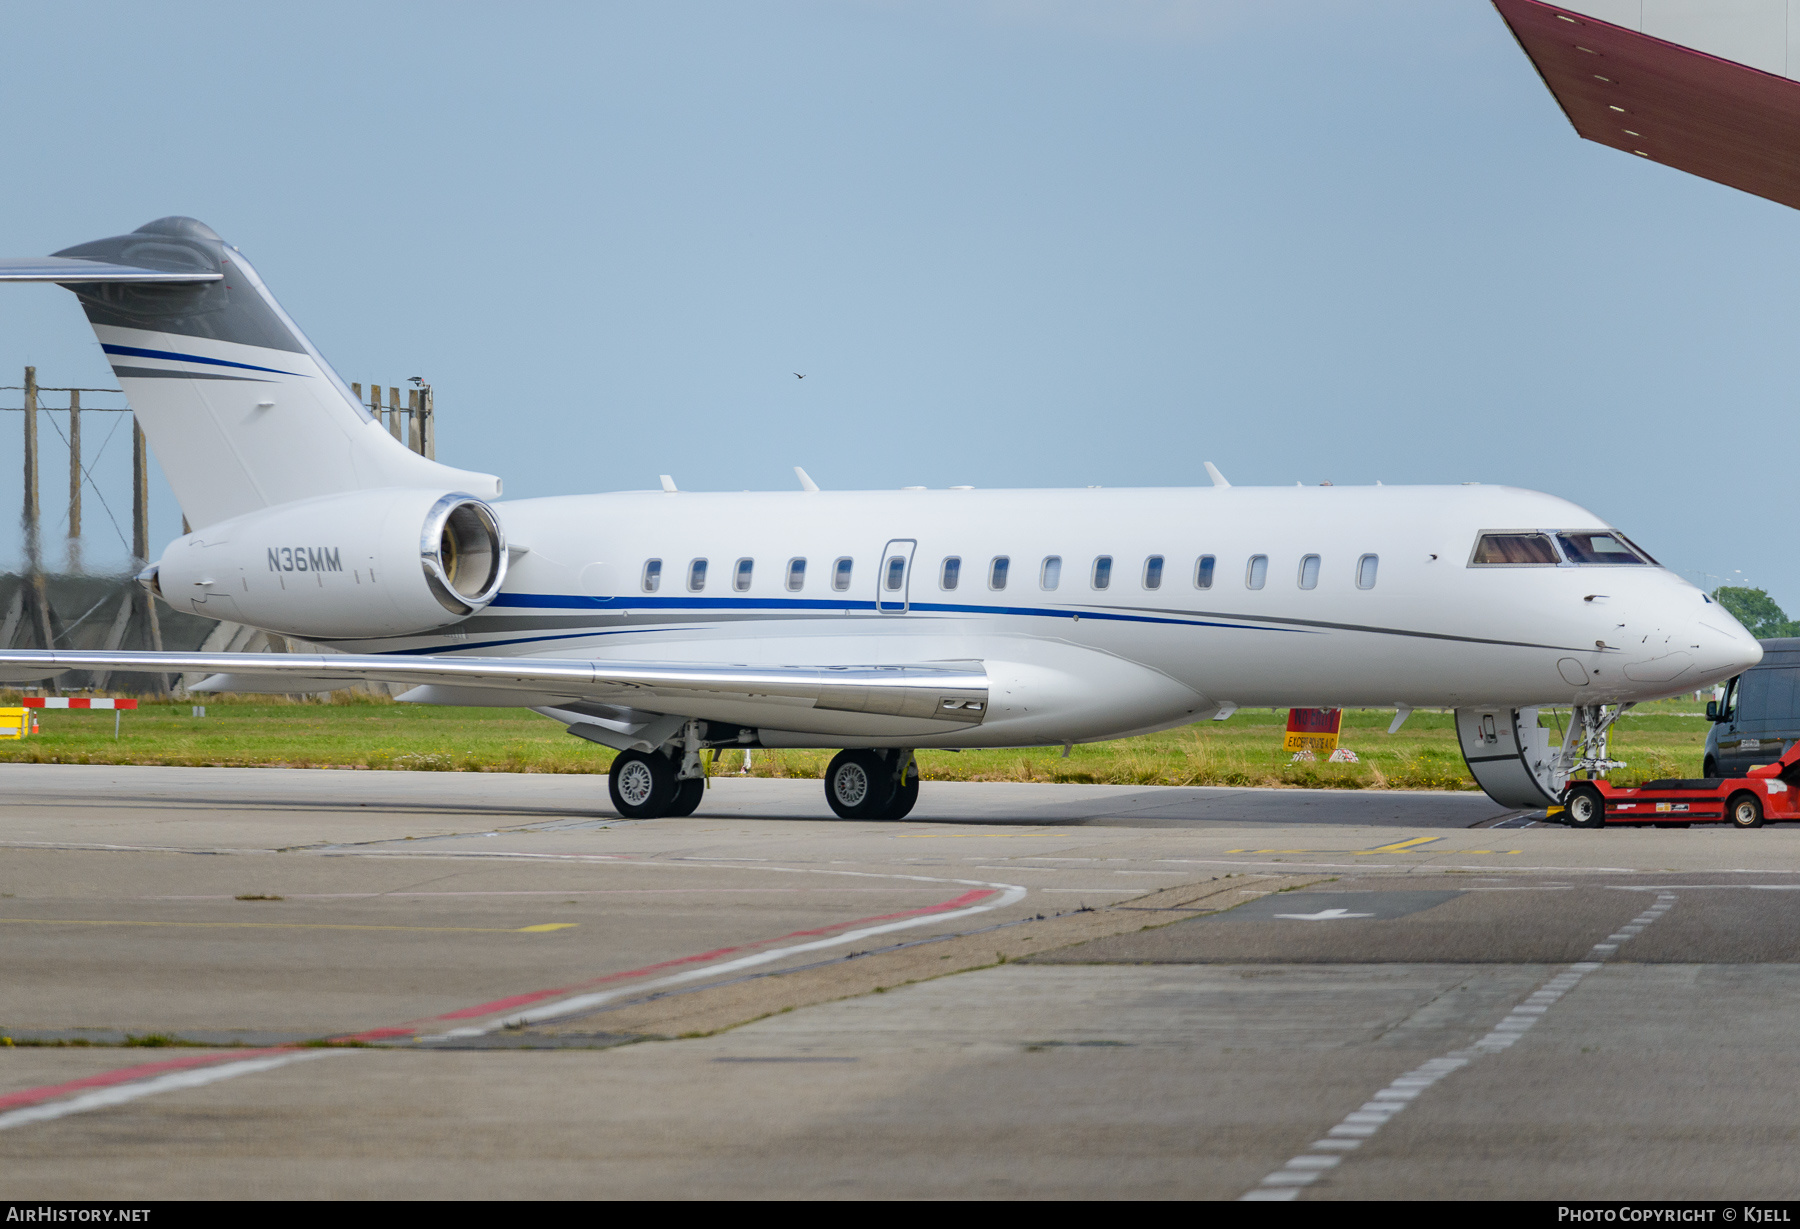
1313, 729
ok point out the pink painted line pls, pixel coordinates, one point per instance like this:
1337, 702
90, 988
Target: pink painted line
549, 892
125, 1075
538, 996
144, 1071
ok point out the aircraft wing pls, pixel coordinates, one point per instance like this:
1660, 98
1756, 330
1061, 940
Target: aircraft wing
955, 692
63, 270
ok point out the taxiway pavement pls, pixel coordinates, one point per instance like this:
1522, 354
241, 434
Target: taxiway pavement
1018, 991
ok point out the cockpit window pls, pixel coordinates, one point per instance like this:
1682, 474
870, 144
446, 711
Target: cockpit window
1513, 550
1598, 548
1642, 553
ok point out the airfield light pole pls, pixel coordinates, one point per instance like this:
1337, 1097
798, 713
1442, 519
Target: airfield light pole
36, 592
74, 539
28, 515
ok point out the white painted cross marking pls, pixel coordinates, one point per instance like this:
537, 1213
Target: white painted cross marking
1323, 915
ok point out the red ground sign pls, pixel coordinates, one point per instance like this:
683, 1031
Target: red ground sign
1313, 729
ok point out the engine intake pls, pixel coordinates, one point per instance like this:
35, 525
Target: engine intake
389, 562
464, 553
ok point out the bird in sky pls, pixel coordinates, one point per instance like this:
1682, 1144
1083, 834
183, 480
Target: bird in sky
798, 376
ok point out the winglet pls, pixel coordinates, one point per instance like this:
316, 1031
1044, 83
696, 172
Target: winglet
668, 484
806, 482
1212, 471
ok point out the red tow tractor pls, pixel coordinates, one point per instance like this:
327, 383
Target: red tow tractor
1770, 793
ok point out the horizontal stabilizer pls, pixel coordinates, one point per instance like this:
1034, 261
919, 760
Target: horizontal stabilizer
242, 411
956, 693
64, 271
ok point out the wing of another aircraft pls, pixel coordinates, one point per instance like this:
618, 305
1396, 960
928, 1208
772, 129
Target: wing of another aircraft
954, 693
1707, 88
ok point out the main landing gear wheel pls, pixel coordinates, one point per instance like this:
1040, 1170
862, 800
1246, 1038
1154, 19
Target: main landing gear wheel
904, 798
861, 785
1584, 807
644, 786
1745, 811
688, 795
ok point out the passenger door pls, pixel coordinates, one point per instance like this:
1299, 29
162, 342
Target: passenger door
894, 577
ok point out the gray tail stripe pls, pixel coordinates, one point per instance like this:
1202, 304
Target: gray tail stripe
162, 373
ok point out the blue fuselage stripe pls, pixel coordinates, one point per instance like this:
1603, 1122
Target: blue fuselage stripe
567, 601
135, 352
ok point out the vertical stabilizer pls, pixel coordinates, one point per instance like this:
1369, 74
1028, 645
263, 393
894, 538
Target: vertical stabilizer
242, 411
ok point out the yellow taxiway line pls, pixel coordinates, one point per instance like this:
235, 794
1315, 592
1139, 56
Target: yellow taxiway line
1397, 847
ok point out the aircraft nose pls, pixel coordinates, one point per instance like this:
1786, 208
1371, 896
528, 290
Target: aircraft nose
1722, 648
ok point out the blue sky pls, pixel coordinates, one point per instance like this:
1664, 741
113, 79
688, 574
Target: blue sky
1010, 243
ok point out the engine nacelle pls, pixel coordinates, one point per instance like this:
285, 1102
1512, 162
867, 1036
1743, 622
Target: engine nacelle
364, 563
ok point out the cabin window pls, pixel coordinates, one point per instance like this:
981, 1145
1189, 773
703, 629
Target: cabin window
1153, 572
896, 573
740, 577
1051, 576
1598, 548
697, 575
997, 572
652, 575
1309, 571
1365, 571
952, 572
1513, 550
1257, 572
840, 575
1203, 572
796, 579
1102, 576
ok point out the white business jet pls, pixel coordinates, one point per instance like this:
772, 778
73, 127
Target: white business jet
664, 623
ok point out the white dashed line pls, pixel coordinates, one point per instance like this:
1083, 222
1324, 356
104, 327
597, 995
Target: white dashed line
1360, 1124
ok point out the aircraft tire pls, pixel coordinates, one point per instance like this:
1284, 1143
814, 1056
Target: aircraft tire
1584, 807
859, 785
688, 796
904, 799
1744, 810
643, 786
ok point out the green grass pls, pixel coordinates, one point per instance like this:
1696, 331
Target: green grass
360, 731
